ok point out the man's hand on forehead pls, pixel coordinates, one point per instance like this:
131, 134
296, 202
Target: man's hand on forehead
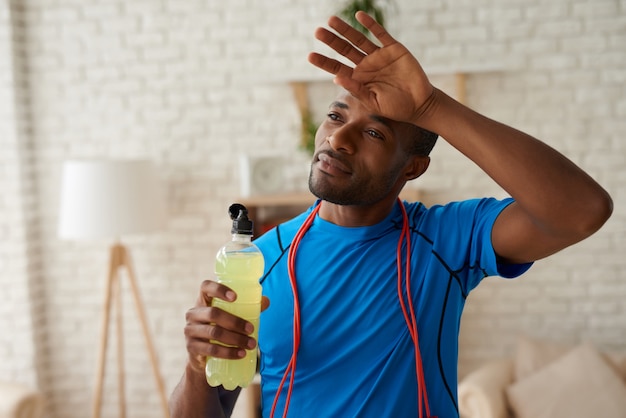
387, 79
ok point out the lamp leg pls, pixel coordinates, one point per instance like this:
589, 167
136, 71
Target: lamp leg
121, 387
112, 278
120, 258
144, 325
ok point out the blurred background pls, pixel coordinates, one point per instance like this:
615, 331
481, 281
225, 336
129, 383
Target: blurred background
192, 86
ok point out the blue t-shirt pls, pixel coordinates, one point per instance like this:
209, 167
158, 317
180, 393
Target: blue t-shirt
356, 356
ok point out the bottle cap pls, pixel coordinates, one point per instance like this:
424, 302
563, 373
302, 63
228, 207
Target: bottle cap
241, 224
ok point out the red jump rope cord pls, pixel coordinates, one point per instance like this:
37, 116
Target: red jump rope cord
409, 316
291, 367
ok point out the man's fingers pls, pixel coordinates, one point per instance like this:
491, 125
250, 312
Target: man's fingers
340, 45
330, 65
210, 289
343, 74
211, 315
212, 334
356, 88
356, 38
375, 28
201, 349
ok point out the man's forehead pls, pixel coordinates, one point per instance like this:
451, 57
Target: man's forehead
345, 100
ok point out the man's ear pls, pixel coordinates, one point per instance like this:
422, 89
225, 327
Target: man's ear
416, 166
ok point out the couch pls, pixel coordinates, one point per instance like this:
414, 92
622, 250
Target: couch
547, 379
20, 401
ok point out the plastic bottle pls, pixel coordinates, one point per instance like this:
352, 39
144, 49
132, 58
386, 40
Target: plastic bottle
239, 265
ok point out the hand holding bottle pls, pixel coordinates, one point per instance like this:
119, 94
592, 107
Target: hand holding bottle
212, 332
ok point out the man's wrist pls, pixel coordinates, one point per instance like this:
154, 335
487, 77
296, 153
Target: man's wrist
423, 113
194, 371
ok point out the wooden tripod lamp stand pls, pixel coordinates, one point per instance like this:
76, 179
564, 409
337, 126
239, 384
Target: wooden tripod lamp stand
109, 199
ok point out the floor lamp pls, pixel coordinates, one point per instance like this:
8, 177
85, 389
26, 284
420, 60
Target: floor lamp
110, 199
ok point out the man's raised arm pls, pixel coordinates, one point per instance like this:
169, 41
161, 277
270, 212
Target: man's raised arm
556, 203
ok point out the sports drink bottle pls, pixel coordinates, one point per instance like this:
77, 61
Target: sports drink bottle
239, 265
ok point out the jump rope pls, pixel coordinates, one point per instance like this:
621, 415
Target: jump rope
409, 314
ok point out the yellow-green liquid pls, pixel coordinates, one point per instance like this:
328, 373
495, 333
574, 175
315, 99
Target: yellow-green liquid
240, 271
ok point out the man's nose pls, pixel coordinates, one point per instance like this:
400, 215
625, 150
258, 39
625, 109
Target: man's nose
343, 139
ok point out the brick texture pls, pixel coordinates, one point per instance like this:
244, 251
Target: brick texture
192, 84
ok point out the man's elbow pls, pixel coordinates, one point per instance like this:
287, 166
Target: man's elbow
598, 211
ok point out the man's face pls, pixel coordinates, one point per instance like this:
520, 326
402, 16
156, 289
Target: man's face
358, 155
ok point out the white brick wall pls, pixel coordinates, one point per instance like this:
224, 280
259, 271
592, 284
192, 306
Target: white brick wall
19, 297
191, 84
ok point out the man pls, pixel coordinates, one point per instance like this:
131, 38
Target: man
359, 346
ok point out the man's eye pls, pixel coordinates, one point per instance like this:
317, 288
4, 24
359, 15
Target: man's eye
333, 116
374, 134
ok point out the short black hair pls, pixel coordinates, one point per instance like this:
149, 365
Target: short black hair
421, 141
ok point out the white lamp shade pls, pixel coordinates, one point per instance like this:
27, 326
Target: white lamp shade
109, 198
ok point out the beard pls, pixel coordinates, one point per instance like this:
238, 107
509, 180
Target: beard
358, 190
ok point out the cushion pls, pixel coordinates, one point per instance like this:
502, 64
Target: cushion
618, 362
532, 355
579, 384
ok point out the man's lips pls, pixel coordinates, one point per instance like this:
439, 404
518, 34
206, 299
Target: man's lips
332, 165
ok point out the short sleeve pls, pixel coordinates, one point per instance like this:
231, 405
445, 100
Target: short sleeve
486, 219
461, 236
